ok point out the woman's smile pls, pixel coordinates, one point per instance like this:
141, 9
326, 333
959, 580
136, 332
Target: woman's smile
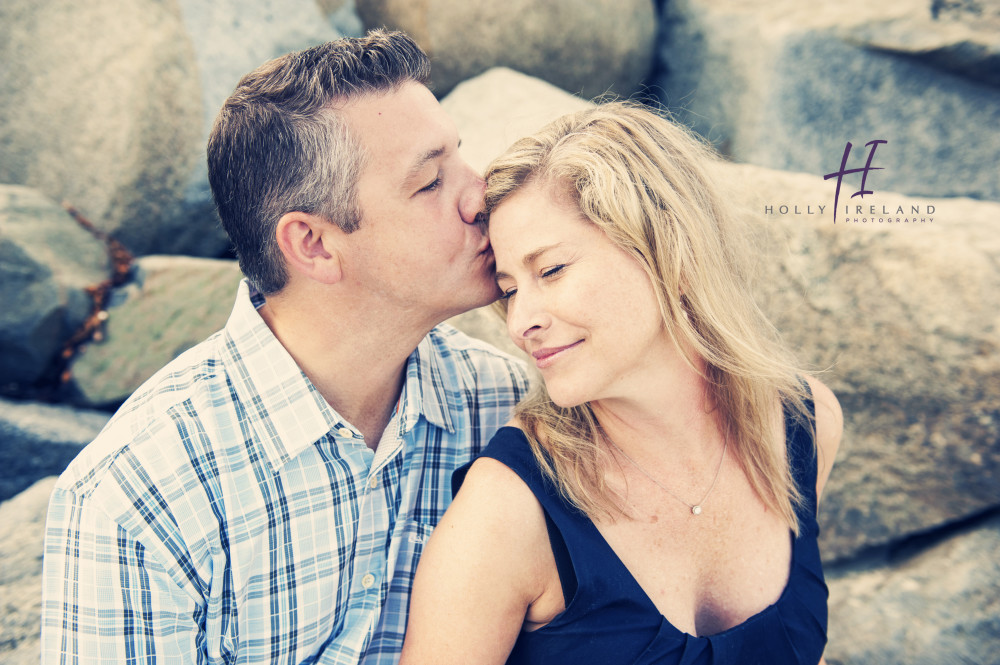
544, 357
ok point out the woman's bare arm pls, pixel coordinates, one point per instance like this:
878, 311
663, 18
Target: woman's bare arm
483, 567
829, 428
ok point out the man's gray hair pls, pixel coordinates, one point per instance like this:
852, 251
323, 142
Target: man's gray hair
279, 145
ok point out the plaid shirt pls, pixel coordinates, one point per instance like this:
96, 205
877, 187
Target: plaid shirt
227, 514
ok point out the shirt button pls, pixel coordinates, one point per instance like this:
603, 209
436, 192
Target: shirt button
373, 482
367, 581
344, 432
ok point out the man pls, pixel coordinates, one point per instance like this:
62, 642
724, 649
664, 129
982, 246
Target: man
265, 497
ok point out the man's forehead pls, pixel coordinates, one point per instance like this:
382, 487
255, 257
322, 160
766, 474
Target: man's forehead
406, 125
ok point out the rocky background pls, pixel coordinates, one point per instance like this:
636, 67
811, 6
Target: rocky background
112, 262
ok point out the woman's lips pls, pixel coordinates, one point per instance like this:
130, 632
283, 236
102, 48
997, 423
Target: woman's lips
546, 356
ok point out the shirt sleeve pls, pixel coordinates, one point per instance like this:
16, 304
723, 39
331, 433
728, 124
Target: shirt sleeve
107, 598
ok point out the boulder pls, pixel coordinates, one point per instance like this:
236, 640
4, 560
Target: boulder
227, 39
22, 524
936, 605
173, 303
47, 262
899, 318
108, 104
343, 16
584, 47
39, 440
496, 108
787, 85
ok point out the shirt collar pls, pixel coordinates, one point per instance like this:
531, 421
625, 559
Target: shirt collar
288, 411
427, 385
285, 408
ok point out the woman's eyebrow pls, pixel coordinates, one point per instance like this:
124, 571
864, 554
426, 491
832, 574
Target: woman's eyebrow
530, 258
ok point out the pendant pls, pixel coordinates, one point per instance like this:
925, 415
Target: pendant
696, 510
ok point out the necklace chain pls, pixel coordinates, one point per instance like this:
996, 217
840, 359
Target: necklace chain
695, 507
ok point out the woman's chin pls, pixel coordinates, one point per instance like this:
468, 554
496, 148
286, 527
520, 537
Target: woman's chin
565, 399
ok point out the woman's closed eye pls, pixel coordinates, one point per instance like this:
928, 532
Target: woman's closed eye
553, 271
546, 273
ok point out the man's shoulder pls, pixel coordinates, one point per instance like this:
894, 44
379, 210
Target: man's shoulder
183, 396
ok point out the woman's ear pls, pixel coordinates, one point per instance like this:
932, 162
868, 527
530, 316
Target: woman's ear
310, 246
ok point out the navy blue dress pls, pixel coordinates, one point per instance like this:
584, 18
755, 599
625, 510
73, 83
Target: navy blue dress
609, 619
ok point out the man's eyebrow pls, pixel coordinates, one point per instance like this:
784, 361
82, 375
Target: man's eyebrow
421, 162
529, 258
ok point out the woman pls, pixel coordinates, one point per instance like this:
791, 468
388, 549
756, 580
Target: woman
656, 502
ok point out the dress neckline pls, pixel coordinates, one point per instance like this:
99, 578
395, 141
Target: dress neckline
644, 597
641, 593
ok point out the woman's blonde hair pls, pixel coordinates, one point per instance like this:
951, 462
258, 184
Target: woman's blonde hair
646, 182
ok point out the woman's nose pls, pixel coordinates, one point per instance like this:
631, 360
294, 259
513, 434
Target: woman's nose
526, 317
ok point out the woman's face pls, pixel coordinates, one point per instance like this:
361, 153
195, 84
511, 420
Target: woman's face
582, 308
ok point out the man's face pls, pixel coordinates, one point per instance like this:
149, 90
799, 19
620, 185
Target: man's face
418, 248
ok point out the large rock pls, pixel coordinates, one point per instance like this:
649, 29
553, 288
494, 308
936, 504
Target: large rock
496, 108
108, 104
173, 303
787, 85
343, 16
589, 47
902, 315
39, 440
22, 525
230, 38
47, 261
938, 605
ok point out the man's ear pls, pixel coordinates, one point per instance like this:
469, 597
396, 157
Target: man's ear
309, 244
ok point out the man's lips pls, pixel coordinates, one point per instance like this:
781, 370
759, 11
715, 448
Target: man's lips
546, 356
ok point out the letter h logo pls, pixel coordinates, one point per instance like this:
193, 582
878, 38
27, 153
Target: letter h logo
839, 175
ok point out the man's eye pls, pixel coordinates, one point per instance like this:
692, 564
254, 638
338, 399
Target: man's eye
432, 186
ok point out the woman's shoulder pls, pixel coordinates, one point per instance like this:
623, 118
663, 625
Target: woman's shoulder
509, 445
497, 471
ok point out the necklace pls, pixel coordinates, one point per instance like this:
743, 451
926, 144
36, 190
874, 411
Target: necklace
695, 507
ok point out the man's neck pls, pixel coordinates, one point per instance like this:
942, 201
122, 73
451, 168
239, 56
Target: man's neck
355, 358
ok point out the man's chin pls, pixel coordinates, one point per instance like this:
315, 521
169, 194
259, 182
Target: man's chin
475, 298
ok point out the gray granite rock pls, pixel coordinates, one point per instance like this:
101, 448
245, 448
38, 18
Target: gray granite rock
787, 85
22, 523
39, 440
173, 303
108, 104
500, 106
937, 605
227, 39
47, 261
343, 16
588, 47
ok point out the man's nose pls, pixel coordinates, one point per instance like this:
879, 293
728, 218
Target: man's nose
471, 202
